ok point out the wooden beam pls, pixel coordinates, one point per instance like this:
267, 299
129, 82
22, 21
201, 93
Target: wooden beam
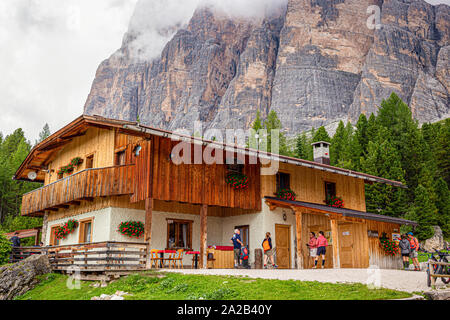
74, 203
335, 237
203, 236
298, 228
148, 229
89, 199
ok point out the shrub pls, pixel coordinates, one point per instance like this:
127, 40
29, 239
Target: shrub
5, 249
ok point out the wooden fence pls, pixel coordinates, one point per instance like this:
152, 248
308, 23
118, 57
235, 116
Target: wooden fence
433, 275
89, 183
92, 257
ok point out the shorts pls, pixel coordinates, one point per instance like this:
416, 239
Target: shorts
237, 254
321, 251
269, 253
405, 254
313, 252
413, 254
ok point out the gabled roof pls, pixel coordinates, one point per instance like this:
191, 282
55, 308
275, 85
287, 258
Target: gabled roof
36, 160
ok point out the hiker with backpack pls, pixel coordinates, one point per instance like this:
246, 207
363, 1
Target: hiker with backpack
312, 246
322, 244
405, 250
237, 244
414, 243
268, 250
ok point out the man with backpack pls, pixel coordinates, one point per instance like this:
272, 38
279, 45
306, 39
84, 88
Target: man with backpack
414, 244
237, 244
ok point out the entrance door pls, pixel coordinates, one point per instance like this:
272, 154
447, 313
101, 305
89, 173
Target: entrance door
283, 246
346, 245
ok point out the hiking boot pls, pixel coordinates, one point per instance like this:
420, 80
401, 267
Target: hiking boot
265, 266
275, 266
323, 267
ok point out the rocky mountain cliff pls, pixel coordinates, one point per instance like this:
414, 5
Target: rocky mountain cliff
315, 62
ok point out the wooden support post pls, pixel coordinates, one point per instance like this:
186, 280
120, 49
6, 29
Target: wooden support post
148, 229
335, 237
298, 228
203, 236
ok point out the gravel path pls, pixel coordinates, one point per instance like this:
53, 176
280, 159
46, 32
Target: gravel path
409, 281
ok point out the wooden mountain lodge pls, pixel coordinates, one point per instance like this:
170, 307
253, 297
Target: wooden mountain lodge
102, 173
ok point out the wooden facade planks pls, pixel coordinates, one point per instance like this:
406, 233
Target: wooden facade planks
192, 183
308, 184
88, 183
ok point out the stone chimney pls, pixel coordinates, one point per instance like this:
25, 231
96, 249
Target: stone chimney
321, 152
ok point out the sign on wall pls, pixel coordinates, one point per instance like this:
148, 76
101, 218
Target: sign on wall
372, 234
396, 237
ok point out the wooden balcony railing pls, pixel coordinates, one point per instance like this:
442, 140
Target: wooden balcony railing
100, 256
86, 184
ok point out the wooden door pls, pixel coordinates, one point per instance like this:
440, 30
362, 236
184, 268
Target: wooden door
283, 246
346, 239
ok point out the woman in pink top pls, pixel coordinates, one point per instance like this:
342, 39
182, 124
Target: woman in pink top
322, 244
312, 246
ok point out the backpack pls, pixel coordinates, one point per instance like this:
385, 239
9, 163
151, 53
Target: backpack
413, 243
244, 253
266, 245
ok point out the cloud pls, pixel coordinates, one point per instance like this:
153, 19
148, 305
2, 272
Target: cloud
50, 49
155, 22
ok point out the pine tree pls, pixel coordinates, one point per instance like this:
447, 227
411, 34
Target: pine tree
273, 123
253, 141
302, 147
383, 160
442, 151
443, 205
321, 135
44, 134
423, 212
359, 142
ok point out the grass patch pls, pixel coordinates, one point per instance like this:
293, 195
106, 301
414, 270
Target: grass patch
150, 286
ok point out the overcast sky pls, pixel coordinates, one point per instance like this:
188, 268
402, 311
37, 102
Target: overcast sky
49, 52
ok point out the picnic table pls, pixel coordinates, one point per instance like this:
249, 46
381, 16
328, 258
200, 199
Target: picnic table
161, 255
195, 258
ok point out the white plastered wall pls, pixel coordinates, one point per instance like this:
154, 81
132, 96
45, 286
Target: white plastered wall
219, 232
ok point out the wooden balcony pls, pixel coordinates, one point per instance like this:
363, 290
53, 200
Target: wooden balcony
86, 184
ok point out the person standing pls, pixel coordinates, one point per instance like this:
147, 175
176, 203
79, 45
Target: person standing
322, 244
405, 250
15, 239
268, 250
312, 246
414, 243
237, 244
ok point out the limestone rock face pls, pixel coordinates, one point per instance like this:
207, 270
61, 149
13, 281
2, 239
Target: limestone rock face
21, 277
436, 242
315, 62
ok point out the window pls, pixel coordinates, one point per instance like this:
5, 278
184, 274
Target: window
86, 231
53, 240
179, 234
245, 234
235, 168
119, 159
330, 189
283, 181
90, 161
